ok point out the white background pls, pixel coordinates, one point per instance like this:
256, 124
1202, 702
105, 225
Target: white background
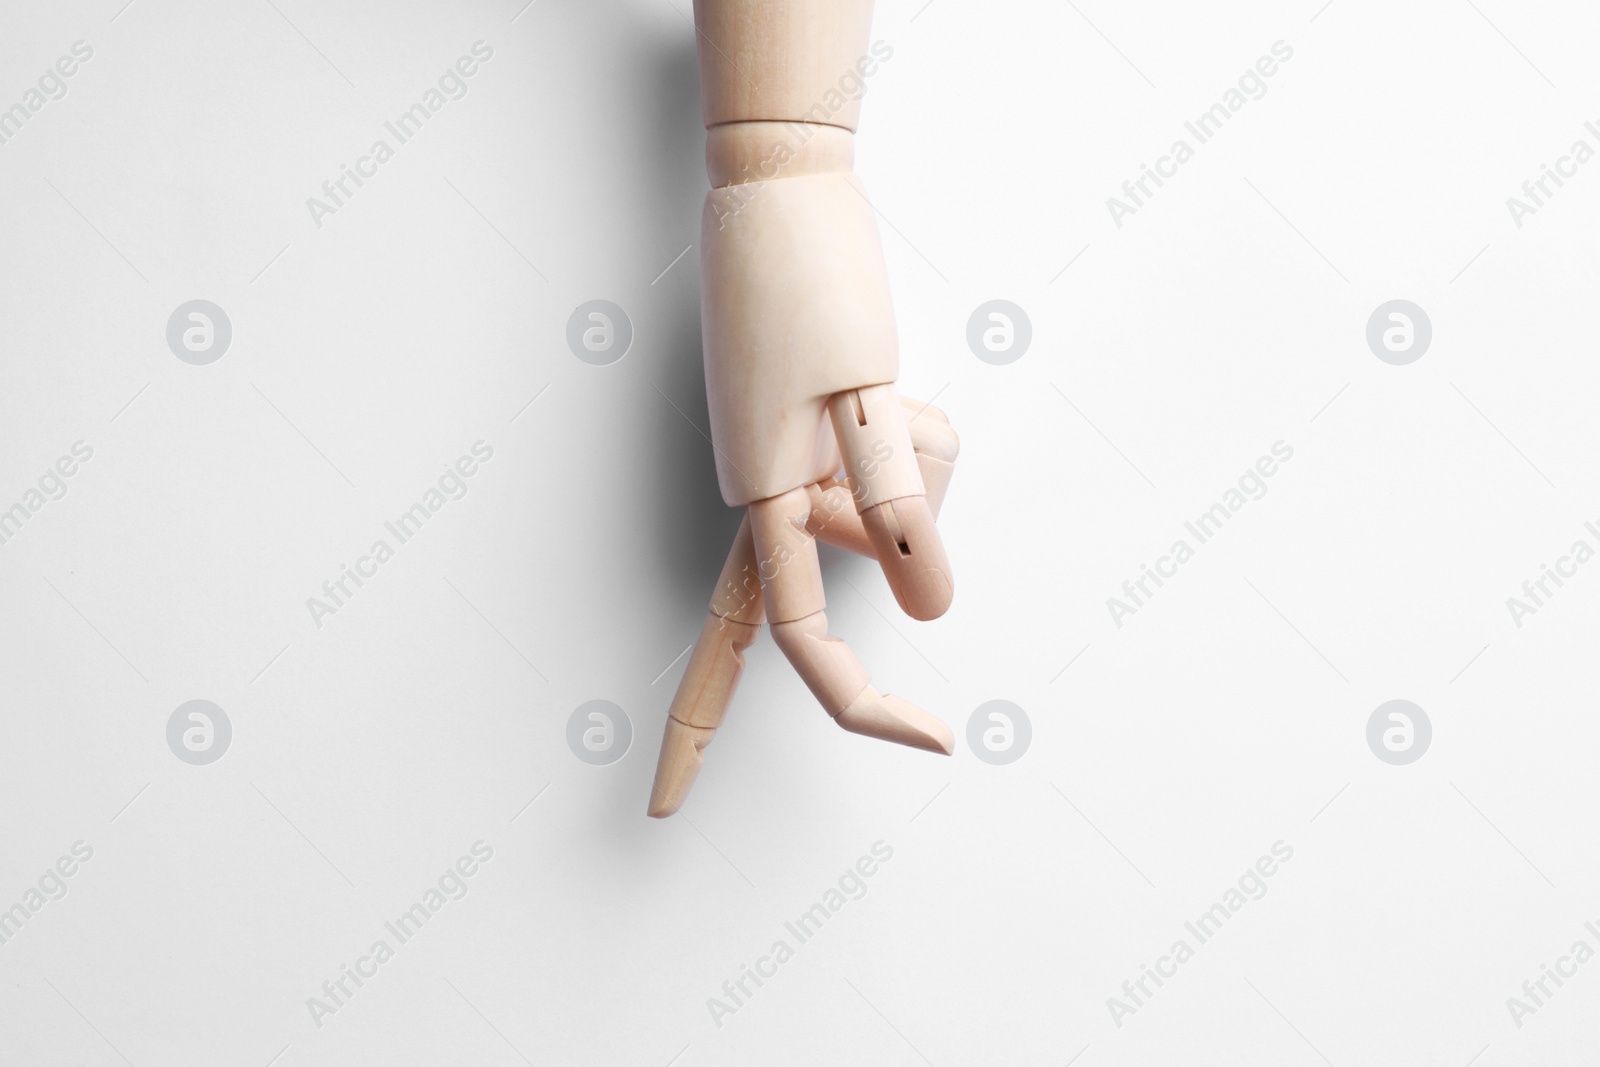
1228, 714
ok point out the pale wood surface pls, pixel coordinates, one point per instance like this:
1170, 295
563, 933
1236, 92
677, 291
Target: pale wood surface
781, 59
794, 307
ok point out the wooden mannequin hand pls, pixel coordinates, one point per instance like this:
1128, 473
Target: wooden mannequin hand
800, 356
810, 434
